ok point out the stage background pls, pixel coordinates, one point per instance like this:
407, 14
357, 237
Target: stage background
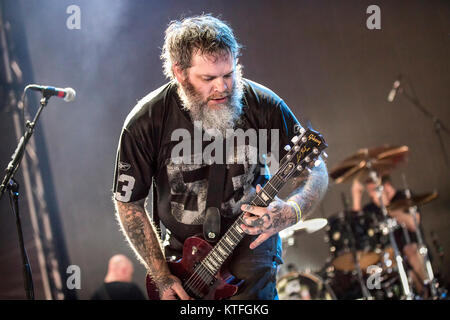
318, 56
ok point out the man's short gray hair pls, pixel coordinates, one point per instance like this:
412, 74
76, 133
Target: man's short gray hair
204, 34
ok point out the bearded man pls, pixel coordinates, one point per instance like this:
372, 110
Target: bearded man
206, 93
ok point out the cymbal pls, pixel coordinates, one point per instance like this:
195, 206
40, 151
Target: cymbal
310, 226
381, 159
414, 201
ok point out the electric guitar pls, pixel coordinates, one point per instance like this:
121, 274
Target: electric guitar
200, 268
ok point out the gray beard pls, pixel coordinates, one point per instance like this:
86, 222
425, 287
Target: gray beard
227, 117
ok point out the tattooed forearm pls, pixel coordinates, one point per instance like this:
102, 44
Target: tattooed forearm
310, 188
284, 216
142, 236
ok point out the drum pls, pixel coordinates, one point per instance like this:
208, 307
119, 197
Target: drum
384, 286
358, 229
384, 283
345, 285
303, 286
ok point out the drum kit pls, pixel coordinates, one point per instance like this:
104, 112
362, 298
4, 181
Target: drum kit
364, 258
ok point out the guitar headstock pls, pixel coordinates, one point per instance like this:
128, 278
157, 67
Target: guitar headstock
306, 148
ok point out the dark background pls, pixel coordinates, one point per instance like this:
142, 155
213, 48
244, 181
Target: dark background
317, 55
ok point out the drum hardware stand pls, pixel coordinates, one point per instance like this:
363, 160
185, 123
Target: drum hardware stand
327, 275
405, 233
355, 255
423, 250
439, 249
364, 289
390, 226
327, 287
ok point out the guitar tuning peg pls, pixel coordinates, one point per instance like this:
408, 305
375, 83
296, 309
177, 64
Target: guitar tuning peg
317, 163
295, 139
299, 168
309, 170
287, 147
324, 154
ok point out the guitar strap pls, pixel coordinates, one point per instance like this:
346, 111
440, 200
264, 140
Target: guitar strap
214, 197
155, 216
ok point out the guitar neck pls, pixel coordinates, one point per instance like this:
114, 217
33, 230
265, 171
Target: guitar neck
226, 245
306, 148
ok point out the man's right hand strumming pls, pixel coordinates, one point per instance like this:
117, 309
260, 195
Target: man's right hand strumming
144, 240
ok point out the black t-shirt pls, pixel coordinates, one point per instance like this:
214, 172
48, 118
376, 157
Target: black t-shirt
153, 129
118, 291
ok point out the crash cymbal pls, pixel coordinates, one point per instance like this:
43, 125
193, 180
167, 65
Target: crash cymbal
380, 159
416, 200
309, 226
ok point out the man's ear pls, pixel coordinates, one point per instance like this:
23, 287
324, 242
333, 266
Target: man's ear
179, 73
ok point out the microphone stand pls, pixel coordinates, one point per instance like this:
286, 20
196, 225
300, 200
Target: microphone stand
8, 183
20, 150
438, 125
13, 188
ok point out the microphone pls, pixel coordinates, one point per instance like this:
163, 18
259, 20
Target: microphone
394, 89
67, 93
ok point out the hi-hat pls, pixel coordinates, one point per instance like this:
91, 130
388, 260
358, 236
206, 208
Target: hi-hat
382, 160
309, 226
414, 201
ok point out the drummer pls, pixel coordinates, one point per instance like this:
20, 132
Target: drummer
389, 195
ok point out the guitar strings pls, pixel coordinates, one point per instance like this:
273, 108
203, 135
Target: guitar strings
197, 281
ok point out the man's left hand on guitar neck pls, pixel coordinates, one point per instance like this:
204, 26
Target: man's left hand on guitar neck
267, 221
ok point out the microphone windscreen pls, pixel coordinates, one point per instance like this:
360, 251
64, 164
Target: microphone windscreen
70, 94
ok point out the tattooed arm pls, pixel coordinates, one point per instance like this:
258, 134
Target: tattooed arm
309, 190
144, 240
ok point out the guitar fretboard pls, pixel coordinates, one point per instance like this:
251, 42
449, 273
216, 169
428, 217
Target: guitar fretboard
226, 245
306, 147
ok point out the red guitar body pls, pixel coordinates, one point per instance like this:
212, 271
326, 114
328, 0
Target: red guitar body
195, 250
